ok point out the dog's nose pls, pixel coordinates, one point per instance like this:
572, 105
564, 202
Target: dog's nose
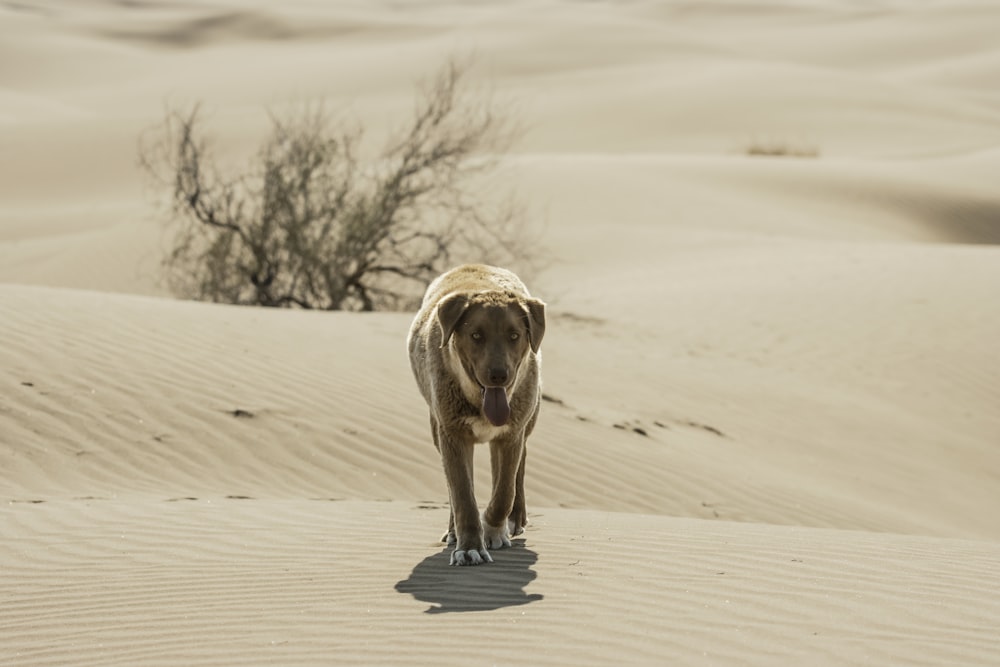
498, 376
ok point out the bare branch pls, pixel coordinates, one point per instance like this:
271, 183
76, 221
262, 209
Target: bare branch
308, 226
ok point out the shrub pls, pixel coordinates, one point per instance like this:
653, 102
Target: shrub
781, 149
308, 224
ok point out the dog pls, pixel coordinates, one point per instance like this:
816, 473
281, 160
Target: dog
475, 352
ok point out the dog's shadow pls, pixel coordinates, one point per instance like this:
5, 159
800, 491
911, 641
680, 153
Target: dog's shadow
480, 588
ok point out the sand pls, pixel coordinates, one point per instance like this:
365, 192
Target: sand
771, 432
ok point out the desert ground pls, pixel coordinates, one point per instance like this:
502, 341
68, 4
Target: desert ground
771, 433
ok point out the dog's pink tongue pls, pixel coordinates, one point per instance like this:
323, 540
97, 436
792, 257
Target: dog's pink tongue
495, 405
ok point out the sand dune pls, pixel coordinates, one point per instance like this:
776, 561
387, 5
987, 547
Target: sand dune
770, 429
138, 395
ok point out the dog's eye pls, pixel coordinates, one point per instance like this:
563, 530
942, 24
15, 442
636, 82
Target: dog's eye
515, 336
476, 335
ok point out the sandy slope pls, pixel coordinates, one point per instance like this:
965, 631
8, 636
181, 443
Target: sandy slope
213, 582
110, 395
771, 429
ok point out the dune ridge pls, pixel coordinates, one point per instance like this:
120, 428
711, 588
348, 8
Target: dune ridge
179, 399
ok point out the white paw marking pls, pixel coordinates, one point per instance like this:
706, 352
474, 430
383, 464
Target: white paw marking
496, 537
471, 557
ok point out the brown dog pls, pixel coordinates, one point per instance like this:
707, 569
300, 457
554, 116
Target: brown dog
474, 352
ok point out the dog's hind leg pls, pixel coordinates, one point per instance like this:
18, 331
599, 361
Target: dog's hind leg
519, 514
449, 536
518, 518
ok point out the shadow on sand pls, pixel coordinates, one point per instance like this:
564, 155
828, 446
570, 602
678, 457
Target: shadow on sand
481, 588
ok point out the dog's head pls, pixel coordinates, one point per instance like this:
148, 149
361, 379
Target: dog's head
492, 332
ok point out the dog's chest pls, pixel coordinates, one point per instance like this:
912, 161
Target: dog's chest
483, 430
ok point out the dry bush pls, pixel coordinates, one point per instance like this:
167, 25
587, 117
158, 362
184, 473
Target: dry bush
781, 149
308, 224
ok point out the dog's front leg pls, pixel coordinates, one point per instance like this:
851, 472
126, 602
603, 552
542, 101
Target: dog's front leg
458, 470
506, 456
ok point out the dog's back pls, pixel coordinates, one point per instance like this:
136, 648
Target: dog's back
475, 278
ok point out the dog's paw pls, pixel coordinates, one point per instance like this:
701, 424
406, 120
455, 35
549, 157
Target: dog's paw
449, 537
470, 557
496, 537
513, 528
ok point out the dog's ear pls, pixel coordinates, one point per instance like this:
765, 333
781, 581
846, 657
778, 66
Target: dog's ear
535, 310
449, 312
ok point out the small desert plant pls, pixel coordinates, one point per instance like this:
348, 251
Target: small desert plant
309, 224
781, 149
